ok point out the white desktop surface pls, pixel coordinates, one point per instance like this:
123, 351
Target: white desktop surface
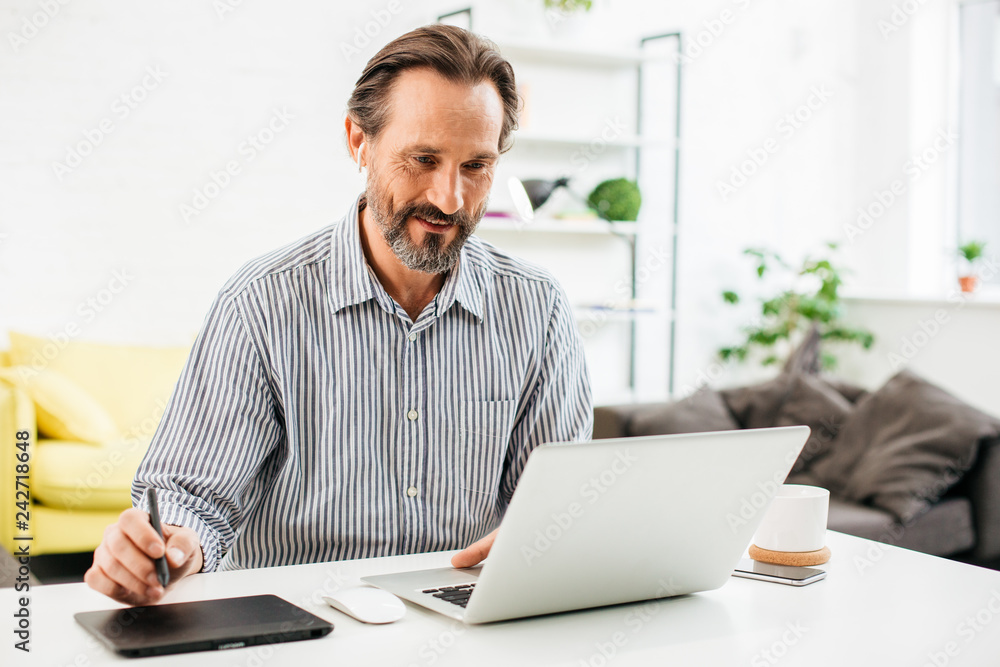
879, 605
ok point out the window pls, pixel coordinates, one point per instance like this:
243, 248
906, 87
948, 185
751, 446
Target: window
979, 126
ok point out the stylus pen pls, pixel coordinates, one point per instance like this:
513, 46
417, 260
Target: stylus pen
162, 571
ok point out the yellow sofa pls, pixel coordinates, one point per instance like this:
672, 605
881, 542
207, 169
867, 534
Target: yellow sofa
89, 411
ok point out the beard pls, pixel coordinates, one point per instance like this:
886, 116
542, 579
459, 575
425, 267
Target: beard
435, 255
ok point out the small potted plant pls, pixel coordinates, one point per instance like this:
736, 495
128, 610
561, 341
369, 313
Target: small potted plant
971, 252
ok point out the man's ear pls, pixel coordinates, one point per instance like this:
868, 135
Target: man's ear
356, 142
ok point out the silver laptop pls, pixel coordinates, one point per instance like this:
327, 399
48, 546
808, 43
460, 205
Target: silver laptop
613, 521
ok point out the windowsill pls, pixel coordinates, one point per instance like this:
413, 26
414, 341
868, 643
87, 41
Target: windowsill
985, 297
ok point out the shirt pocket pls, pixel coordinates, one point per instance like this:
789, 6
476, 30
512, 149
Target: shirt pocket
484, 435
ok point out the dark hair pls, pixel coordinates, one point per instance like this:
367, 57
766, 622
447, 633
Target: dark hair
454, 53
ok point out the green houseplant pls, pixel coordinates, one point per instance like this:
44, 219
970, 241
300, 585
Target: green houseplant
972, 252
808, 305
616, 199
567, 6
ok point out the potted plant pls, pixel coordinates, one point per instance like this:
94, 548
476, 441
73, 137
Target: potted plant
809, 305
971, 252
616, 199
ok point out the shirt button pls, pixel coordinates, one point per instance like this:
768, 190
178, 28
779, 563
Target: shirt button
412, 491
412, 415
412, 337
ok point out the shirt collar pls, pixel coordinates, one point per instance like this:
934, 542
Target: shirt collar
354, 282
349, 273
462, 285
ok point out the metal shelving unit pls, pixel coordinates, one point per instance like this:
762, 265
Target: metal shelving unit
619, 58
637, 143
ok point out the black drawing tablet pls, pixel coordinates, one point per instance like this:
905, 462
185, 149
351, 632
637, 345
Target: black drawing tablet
203, 625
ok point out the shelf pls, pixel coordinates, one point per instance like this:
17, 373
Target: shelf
554, 226
624, 141
600, 314
583, 57
588, 68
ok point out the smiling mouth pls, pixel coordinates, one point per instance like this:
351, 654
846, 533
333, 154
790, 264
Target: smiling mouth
434, 225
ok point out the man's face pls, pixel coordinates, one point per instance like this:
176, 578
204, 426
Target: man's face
430, 171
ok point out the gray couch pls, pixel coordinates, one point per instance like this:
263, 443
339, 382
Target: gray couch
908, 464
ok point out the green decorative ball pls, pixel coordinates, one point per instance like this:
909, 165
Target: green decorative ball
616, 199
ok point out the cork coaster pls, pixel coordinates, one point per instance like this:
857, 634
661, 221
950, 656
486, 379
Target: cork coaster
798, 559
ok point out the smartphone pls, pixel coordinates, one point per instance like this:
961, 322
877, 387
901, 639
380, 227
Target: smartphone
779, 574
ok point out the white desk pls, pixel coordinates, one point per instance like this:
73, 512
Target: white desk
880, 605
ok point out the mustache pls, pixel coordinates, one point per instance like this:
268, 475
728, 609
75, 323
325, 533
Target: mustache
431, 212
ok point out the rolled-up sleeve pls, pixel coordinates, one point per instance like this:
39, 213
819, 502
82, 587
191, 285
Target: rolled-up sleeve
217, 432
560, 405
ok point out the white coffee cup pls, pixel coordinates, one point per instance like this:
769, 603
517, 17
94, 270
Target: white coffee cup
796, 520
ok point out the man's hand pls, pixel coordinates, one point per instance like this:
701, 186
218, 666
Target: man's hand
475, 552
124, 568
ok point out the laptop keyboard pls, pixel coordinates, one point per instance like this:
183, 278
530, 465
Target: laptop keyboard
454, 594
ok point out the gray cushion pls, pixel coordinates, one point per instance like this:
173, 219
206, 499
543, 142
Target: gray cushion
980, 485
824, 410
852, 392
903, 447
611, 421
756, 406
789, 400
944, 530
700, 412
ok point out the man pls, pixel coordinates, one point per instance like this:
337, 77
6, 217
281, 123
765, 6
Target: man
374, 388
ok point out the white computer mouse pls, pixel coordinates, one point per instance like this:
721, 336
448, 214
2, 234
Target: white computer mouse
367, 604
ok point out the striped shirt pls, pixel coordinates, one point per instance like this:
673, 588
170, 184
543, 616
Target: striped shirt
314, 421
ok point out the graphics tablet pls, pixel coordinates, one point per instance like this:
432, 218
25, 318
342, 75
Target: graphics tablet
204, 625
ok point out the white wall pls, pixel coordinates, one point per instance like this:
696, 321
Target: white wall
274, 73
951, 341
877, 99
